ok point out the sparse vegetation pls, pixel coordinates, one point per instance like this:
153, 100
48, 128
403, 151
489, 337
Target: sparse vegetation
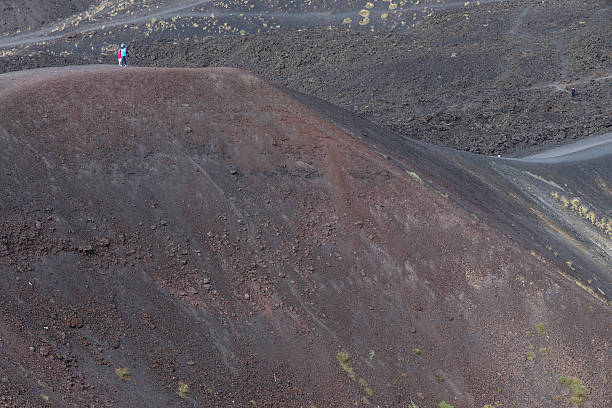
540, 327
415, 176
183, 389
579, 391
123, 373
45, 398
4, 380
444, 404
530, 356
343, 359
416, 351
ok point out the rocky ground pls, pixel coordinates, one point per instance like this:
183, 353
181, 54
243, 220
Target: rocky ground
491, 78
205, 239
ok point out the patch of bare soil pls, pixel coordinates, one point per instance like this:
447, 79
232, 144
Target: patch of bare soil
199, 237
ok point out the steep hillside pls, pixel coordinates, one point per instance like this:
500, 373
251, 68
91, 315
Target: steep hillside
198, 237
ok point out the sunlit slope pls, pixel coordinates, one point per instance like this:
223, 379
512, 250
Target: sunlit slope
200, 237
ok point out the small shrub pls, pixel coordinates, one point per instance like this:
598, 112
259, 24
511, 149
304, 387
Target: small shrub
343, 359
415, 176
530, 355
123, 373
183, 389
540, 327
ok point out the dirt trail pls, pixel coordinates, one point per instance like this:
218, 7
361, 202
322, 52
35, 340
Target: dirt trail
582, 150
46, 33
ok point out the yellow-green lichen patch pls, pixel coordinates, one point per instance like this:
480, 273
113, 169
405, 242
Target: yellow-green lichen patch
540, 327
575, 205
123, 373
579, 391
366, 387
344, 361
416, 351
45, 398
414, 176
183, 389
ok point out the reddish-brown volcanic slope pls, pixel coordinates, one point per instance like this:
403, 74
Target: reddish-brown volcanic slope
203, 227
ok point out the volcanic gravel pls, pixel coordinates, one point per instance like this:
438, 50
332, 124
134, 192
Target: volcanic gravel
207, 229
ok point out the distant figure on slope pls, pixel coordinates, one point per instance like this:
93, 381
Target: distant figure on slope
121, 55
573, 92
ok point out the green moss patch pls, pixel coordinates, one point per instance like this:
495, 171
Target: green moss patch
579, 391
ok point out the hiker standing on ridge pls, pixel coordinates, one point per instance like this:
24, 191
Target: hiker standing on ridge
121, 55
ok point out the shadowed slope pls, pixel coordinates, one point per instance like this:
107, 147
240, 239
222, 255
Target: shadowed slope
226, 245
